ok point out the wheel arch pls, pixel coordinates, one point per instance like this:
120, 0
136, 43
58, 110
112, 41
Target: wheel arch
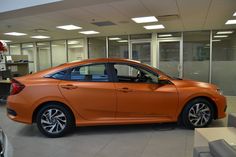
203, 97
55, 102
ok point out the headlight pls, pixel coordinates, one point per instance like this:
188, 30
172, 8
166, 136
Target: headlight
219, 91
2, 143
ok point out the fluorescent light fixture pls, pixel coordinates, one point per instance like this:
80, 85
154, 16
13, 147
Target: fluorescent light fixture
220, 36
165, 35
230, 22
115, 38
216, 40
150, 27
76, 46
234, 14
69, 27
15, 34
122, 41
89, 32
225, 32
73, 42
145, 19
6, 41
40, 37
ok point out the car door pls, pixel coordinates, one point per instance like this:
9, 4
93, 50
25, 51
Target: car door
89, 89
140, 96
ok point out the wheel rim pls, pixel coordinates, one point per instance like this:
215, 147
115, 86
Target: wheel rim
199, 114
53, 121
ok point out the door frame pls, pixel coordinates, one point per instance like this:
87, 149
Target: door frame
173, 39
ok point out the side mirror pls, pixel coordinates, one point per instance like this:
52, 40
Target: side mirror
163, 80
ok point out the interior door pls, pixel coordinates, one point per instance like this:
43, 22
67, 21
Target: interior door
170, 57
143, 99
90, 92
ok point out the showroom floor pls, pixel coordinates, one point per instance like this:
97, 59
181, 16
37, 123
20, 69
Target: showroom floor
162, 140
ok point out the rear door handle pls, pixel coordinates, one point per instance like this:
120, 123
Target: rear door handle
69, 86
125, 89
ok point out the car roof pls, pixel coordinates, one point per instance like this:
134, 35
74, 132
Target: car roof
102, 60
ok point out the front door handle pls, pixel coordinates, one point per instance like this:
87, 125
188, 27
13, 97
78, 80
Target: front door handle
125, 89
69, 86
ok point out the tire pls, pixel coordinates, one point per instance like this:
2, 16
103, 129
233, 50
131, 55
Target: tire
197, 113
54, 120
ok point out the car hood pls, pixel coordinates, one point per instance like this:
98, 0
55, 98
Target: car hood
192, 83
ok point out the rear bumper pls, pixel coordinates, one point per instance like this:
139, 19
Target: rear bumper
17, 111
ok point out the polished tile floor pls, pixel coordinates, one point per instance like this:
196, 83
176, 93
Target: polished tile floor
159, 140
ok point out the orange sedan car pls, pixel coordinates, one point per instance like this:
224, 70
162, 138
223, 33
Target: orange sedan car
110, 91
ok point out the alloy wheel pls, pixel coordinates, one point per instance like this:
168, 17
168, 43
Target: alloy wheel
53, 121
199, 114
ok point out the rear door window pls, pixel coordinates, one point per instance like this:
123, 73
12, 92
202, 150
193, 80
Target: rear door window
90, 73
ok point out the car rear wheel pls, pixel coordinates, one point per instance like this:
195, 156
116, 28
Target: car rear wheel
54, 120
198, 113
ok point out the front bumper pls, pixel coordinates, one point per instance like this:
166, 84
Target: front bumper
221, 106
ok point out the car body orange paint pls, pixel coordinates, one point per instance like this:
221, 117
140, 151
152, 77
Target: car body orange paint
103, 103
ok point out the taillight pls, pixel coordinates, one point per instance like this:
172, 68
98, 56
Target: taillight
16, 87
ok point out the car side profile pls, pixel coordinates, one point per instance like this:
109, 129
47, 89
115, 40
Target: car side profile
110, 91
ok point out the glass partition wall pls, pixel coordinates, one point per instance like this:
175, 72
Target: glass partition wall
224, 60
195, 55
44, 55
196, 50
76, 49
118, 47
29, 50
59, 55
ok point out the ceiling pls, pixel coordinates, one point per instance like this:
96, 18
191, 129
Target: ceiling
186, 15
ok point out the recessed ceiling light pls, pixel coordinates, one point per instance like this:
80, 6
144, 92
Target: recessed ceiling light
230, 22
234, 14
165, 35
122, 41
216, 40
89, 32
15, 34
69, 27
150, 27
6, 41
40, 37
115, 38
225, 32
220, 36
145, 19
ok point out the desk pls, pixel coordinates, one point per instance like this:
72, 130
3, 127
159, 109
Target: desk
5, 81
204, 135
5, 88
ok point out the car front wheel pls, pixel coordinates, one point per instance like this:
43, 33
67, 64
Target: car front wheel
198, 113
54, 120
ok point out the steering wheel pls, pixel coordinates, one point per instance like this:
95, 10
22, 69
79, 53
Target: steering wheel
141, 77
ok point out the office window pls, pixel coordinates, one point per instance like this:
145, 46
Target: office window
90, 73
